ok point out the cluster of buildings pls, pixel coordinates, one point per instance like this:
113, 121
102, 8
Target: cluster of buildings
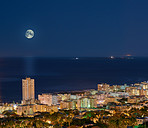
133, 96
69, 100
108, 97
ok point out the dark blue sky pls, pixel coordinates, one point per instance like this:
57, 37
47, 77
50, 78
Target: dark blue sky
74, 27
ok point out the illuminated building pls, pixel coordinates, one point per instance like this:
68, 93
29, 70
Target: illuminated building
65, 105
132, 91
62, 97
74, 104
6, 108
145, 86
116, 88
103, 87
145, 92
93, 92
86, 102
135, 91
30, 109
110, 99
141, 120
132, 100
71, 104
75, 96
28, 91
135, 99
48, 99
100, 98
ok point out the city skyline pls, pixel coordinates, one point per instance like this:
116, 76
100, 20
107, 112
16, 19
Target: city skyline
74, 64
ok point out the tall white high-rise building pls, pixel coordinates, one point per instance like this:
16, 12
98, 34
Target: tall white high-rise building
28, 91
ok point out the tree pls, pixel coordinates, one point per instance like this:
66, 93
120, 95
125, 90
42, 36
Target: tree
57, 118
69, 118
9, 113
120, 120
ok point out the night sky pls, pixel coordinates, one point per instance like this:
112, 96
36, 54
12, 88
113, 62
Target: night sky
71, 28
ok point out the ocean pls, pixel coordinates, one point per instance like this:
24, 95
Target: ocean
65, 74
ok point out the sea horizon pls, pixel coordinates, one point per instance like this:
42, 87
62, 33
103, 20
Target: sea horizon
68, 73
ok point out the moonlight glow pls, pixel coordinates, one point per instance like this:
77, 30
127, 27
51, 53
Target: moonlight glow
29, 34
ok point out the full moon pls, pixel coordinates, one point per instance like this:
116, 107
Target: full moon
29, 34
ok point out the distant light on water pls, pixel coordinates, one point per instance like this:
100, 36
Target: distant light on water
112, 57
128, 55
